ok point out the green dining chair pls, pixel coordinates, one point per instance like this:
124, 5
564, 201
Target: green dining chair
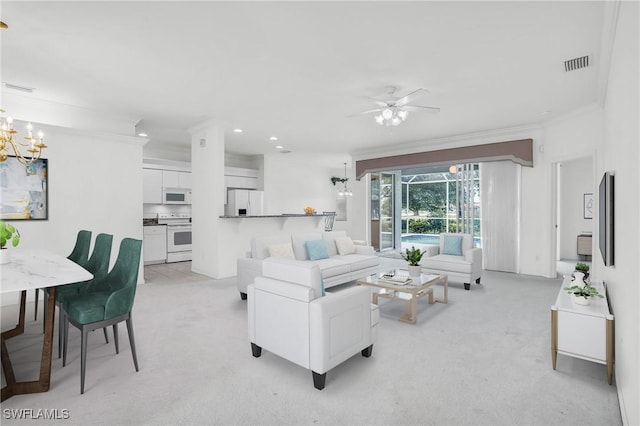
98, 265
105, 301
79, 254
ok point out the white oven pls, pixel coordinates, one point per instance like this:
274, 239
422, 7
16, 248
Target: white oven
178, 236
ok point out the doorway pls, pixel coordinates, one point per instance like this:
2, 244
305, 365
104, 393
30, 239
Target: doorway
573, 183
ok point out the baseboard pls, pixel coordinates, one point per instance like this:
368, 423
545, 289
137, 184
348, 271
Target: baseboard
623, 409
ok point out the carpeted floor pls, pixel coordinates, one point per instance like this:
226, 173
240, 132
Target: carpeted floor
482, 359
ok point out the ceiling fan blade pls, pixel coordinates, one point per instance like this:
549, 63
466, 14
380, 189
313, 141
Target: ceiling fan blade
411, 97
366, 112
416, 108
378, 102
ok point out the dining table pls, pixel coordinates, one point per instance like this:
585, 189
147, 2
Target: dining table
30, 269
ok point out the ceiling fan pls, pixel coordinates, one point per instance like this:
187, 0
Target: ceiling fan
395, 110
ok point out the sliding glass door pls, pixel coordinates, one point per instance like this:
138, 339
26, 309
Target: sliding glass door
383, 211
387, 203
417, 205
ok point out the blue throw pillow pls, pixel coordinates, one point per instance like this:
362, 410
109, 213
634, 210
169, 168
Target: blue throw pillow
316, 249
452, 245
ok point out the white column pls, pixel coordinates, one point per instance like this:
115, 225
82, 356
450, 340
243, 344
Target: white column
207, 168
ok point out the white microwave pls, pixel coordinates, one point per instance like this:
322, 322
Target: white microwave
176, 196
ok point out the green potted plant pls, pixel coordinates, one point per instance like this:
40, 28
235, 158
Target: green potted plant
413, 257
582, 295
8, 233
582, 267
581, 273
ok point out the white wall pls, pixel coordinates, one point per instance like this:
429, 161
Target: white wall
576, 179
563, 139
177, 152
294, 181
95, 183
619, 152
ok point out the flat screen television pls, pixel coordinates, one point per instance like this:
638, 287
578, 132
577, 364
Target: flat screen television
605, 218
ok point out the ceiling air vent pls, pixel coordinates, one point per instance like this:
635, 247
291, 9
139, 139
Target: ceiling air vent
20, 88
576, 63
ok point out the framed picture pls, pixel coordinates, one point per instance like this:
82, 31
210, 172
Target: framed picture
24, 191
588, 206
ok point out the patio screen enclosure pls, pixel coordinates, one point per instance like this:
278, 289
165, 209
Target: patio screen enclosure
433, 200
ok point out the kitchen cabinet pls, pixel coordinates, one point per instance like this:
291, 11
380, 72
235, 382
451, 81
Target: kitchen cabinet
241, 182
584, 332
152, 186
176, 179
155, 244
239, 178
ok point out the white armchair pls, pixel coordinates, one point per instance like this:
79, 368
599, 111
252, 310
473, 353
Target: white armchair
457, 259
289, 316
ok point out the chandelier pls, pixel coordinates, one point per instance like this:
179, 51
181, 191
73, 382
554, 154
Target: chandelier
34, 144
391, 116
344, 191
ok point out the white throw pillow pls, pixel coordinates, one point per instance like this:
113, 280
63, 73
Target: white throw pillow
284, 250
345, 246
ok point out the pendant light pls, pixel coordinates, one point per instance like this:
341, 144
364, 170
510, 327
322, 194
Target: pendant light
344, 191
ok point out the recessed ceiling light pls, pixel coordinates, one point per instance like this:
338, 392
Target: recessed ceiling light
144, 135
273, 138
237, 130
279, 146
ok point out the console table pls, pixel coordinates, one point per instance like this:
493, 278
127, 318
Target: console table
584, 332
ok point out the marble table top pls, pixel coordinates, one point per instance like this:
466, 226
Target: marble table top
36, 268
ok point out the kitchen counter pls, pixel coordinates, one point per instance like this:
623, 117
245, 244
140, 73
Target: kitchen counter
283, 215
234, 234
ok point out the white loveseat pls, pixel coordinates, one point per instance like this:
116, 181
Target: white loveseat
337, 268
457, 259
289, 317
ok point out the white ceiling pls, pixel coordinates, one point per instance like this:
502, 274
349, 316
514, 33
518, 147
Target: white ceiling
298, 70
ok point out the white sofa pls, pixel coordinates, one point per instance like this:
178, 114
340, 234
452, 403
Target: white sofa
289, 317
465, 265
336, 269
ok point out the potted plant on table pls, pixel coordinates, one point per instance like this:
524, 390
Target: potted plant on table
582, 295
8, 233
581, 273
413, 257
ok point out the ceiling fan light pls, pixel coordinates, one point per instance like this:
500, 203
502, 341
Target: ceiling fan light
403, 114
379, 119
387, 114
395, 121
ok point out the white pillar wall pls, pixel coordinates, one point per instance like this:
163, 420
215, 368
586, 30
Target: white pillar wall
207, 168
